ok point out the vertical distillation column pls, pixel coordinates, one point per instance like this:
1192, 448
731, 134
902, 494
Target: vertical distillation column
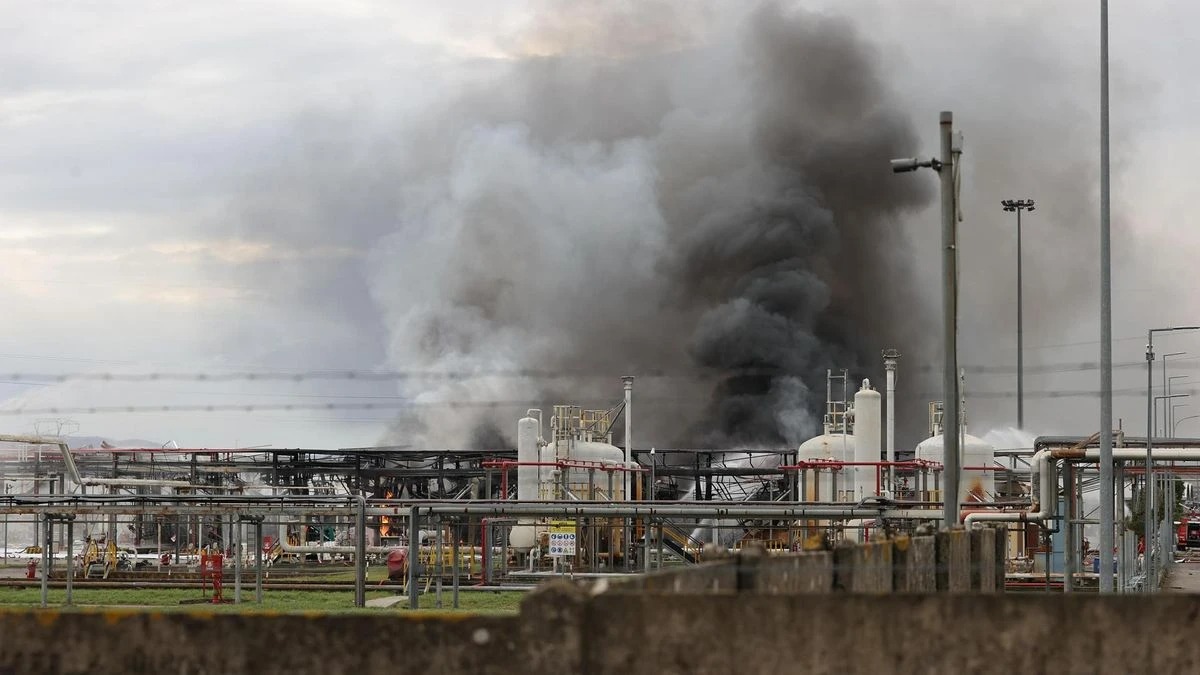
890, 356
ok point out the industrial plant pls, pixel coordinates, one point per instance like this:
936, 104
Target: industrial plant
566, 502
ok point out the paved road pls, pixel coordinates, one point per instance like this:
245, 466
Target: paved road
1184, 578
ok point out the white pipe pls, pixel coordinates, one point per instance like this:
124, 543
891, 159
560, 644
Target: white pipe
134, 482
1156, 452
68, 459
290, 548
1044, 465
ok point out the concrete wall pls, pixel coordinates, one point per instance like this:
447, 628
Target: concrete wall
818, 611
953, 561
562, 629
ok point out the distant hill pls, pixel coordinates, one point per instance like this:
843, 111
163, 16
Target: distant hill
96, 441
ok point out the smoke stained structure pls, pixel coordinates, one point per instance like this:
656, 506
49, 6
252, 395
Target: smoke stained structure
707, 193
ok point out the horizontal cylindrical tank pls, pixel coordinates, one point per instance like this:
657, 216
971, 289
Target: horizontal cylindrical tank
976, 485
820, 484
580, 479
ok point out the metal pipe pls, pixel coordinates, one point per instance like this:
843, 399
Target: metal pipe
258, 561
1043, 464
414, 551
360, 555
1162, 453
721, 510
70, 558
237, 562
1069, 550
439, 571
455, 555
45, 559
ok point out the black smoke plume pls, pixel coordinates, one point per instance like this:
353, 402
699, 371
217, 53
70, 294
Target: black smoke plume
694, 196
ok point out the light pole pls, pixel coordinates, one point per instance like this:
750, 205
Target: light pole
1019, 205
1171, 429
1148, 523
1166, 381
1165, 399
1107, 486
1169, 415
947, 168
1175, 430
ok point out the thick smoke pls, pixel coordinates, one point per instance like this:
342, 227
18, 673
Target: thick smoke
695, 196
720, 207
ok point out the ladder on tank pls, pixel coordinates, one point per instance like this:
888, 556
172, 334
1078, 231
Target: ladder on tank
836, 419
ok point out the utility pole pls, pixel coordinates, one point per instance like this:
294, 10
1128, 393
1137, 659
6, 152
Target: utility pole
947, 168
952, 459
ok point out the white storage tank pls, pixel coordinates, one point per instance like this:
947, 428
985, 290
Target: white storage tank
580, 478
820, 483
975, 486
528, 477
528, 430
868, 434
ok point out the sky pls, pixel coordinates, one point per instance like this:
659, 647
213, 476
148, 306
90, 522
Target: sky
184, 186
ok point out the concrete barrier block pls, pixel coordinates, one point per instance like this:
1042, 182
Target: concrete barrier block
801, 573
914, 564
953, 561
863, 568
713, 577
552, 625
983, 567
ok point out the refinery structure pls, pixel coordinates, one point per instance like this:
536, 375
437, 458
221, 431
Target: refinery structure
566, 501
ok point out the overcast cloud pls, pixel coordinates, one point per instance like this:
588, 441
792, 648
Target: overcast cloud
152, 153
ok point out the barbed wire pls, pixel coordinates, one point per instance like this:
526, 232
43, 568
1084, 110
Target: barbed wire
433, 375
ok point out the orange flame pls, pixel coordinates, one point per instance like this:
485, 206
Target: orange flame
385, 522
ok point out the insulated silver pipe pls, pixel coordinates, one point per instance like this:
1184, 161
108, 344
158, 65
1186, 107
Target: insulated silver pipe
1043, 465
579, 509
628, 381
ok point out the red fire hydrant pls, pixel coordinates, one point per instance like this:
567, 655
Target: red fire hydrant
31, 570
212, 566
